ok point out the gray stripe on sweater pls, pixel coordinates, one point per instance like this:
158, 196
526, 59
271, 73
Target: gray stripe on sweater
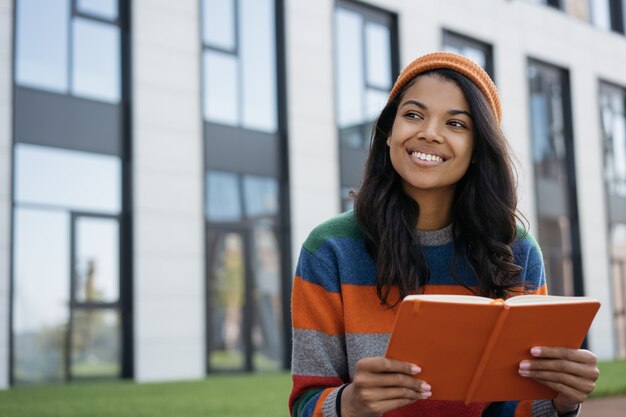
363, 345
318, 354
545, 408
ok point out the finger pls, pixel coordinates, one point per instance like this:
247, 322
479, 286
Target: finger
380, 364
374, 395
575, 382
570, 394
369, 379
574, 355
584, 370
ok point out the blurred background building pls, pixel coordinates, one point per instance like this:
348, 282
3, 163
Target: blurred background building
161, 163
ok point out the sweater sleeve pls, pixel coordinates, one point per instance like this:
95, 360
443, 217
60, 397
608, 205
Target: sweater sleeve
319, 362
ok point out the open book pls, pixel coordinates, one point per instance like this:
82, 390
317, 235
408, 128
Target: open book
469, 347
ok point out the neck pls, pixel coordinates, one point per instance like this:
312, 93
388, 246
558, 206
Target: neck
435, 209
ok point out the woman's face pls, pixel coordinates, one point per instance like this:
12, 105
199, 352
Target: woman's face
432, 138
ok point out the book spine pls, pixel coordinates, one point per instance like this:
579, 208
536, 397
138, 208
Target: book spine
495, 333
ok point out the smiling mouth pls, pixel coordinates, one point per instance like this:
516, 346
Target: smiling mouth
427, 157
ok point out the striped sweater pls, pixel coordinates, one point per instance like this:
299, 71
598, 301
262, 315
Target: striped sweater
338, 319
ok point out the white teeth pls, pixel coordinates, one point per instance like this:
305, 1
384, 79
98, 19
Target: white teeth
427, 157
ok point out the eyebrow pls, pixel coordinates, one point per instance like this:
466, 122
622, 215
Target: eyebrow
422, 106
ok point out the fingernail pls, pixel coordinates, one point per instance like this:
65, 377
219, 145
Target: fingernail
415, 369
425, 387
426, 394
524, 365
535, 351
524, 372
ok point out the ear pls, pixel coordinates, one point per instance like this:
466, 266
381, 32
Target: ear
389, 140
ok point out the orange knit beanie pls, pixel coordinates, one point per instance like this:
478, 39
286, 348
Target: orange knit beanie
455, 62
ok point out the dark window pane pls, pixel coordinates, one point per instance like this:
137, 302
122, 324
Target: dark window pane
70, 179
617, 247
96, 60
477, 51
97, 260
260, 196
220, 91
41, 267
218, 23
42, 44
258, 65
105, 9
226, 297
223, 197
95, 343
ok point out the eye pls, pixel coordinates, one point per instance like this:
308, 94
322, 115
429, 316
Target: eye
413, 115
457, 123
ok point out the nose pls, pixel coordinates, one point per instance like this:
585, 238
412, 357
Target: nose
430, 131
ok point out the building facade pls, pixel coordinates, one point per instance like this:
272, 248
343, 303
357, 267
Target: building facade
162, 162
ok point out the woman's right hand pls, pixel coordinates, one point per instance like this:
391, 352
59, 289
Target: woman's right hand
382, 385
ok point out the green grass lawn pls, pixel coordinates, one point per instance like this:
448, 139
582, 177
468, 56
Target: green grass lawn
221, 395
224, 396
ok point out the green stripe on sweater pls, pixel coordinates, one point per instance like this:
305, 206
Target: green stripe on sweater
343, 225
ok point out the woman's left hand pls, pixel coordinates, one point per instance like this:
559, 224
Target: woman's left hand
572, 373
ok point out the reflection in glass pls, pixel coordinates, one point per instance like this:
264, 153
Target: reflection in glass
97, 260
374, 103
618, 278
220, 91
347, 201
549, 149
223, 202
258, 64
267, 336
349, 71
378, 66
57, 177
40, 306
218, 23
105, 9
226, 297
260, 196
96, 60
95, 343
613, 119
41, 50
475, 50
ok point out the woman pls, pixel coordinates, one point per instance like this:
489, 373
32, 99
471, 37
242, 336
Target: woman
436, 214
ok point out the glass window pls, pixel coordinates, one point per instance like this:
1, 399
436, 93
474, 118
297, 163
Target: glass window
227, 298
218, 24
260, 196
41, 267
42, 44
97, 260
239, 64
613, 119
555, 186
349, 71
96, 60
220, 92
617, 246
378, 66
105, 9
258, 65
70, 179
600, 13
266, 328
223, 201
95, 343
477, 51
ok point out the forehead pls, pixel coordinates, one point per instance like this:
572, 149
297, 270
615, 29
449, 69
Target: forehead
433, 89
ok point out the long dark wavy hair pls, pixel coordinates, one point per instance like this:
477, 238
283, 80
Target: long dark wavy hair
484, 208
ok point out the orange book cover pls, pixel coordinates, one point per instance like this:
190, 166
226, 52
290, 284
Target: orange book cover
469, 347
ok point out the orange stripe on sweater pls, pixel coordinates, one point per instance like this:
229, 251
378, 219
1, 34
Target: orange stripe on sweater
315, 308
320, 403
369, 316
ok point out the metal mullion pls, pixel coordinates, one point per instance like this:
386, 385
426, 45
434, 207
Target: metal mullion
248, 309
72, 298
364, 66
70, 50
239, 66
